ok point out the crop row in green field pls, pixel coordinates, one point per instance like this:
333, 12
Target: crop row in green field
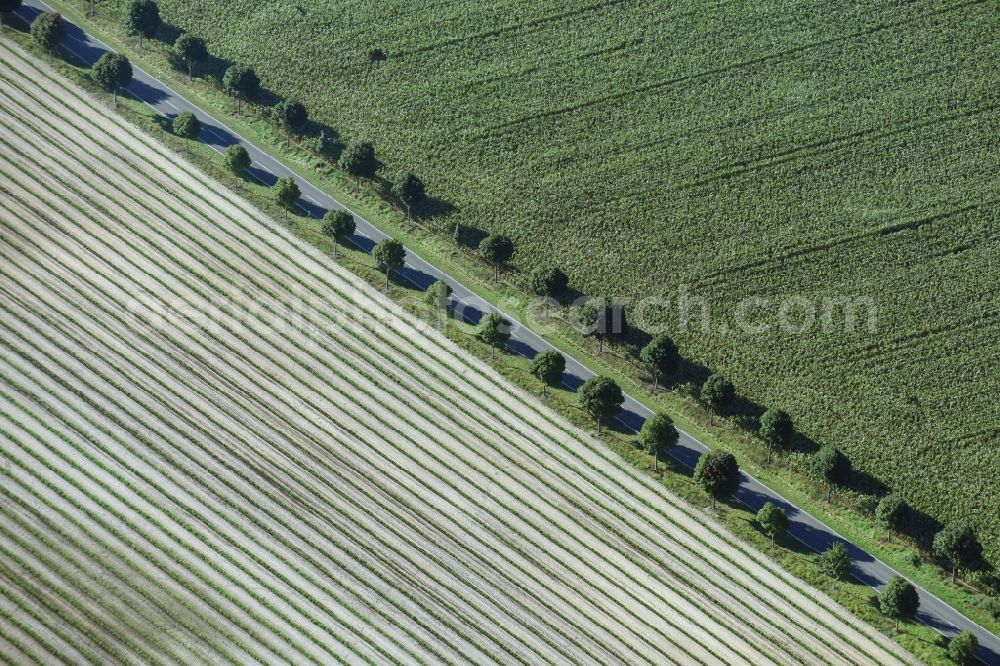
367, 494
739, 149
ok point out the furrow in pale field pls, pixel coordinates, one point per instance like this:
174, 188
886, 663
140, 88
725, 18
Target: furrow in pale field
101, 517
190, 489
215, 474
21, 624
30, 540
545, 503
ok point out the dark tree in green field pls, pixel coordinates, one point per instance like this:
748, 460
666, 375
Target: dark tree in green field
602, 398
6, 7
338, 225
48, 31
548, 282
389, 255
602, 318
241, 83
835, 562
496, 251
718, 474
359, 161
291, 115
899, 600
286, 193
890, 513
142, 19
718, 394
658, 434
376, 56
548, 366
773, 520
112, 71
831, 465
957, 544
660, 357
190, 50
776, 430
328, 145
186, 125
410, 191
962, 648
237, 159
494, 331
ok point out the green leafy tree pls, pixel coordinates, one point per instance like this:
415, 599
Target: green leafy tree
773, 520
48, 30
291, 115
657, 436
602, 398
142, 19
962, 648
548, 367
717, 393
186, 125
410, 191
494, 331
237, 159
496, 251
660, 357
241, 83
328, 145
718, 474
6, 7
890, 513
602, 318
112, 71
957, 544
376, 56
899, 600
338, 225
286, 193
359, 161
191, 51
776, 429
389, 255
832, 466
548, 282
835, 562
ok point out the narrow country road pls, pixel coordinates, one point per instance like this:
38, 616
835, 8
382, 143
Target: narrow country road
804, 527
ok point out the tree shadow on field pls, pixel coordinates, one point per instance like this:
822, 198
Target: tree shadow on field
469, 236
168, 33
436, 208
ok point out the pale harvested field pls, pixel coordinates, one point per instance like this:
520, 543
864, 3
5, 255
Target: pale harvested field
187, 480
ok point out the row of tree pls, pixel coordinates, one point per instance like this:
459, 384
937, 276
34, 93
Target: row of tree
241, 82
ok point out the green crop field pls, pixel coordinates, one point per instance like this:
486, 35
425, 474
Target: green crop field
736, 148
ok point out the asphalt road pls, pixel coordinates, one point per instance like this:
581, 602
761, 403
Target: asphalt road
804, 527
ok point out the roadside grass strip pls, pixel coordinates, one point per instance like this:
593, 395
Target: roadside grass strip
351, 489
